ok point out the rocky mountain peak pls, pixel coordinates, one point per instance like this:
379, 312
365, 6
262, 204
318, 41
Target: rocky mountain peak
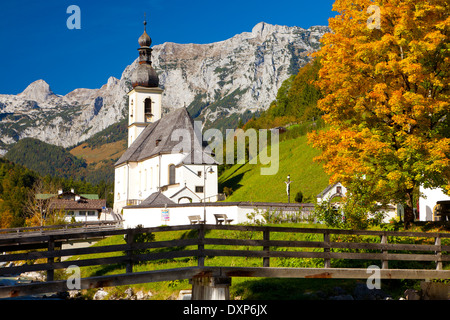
262, 29
219, 83
38, 91
112, 82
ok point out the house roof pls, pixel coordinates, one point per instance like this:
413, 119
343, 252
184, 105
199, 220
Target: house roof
156, 199
303, 206
146, 146
81, 204
44, 196
328, 188
186, 190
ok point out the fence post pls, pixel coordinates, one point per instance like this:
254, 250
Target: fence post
384, 263
266, 237
437, 242
51, 248
201, 245
130, 238
326, 239
211, 288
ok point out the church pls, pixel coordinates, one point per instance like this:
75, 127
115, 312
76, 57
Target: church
166, 159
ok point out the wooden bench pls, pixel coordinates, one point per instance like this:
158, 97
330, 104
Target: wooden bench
221, 218
195, 219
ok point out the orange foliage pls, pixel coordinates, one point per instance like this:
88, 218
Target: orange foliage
386, 96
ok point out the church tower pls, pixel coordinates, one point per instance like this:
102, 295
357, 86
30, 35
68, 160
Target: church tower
144, 106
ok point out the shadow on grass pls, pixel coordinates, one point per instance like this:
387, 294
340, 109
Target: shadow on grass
310, 289
110, 268
289, 289
233, 182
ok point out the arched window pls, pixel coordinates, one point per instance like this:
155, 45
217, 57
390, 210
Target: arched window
172, 174
148, 109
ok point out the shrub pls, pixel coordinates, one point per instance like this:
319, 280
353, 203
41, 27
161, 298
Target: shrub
299, 197
142, 237
227, 191
350, 214
328, 213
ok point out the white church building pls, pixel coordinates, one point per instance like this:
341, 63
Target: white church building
165, 154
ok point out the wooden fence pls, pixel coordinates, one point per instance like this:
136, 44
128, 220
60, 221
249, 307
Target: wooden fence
82, 226
326, 245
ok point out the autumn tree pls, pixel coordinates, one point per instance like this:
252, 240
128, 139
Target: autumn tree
385, 80
38, 205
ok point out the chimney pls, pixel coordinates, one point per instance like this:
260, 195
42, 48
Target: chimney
72, 190
77, 197
60, 191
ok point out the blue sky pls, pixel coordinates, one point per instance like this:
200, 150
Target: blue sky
35, 42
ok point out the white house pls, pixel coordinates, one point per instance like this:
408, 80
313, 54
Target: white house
81, 207
165, 153
332, 191
338, 190
427, 202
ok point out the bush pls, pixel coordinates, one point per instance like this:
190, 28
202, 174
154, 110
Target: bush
142, 237
350, 214
299, 197
227, 191
328, 213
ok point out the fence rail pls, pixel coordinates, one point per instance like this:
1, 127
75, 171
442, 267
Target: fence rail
257, 242
85, 226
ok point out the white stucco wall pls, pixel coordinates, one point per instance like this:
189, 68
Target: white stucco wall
428, 200
189, 176
82, 216
136, 98
153, 217
138, 180
120, 187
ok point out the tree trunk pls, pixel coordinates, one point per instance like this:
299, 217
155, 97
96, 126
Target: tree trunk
409, 211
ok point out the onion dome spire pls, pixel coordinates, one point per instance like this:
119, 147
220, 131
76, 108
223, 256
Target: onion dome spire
144, 39
145, 75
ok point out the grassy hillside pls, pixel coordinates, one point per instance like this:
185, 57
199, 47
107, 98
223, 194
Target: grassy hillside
296, 159
93, 155
102, 150
295, 107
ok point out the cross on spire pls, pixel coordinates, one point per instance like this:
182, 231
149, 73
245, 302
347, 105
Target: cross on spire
145, 21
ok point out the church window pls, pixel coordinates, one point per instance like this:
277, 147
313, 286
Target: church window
148, 109
199, 189
172, 174
131, 109
145, 180
151, 178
